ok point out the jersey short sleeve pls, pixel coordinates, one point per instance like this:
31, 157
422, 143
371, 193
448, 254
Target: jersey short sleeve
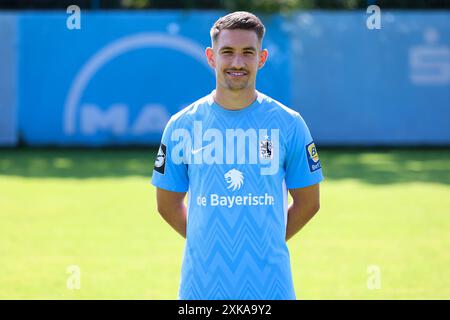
168, 174
302, 164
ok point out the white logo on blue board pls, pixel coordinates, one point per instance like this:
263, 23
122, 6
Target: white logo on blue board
115, 119
430, 62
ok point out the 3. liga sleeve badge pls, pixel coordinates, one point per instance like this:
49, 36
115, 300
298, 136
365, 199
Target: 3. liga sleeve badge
160, 161
313, 157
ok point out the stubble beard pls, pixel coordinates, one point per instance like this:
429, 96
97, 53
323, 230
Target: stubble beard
235, 85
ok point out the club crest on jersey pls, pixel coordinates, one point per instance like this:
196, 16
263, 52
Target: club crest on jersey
313, 157
266, 148
160, 161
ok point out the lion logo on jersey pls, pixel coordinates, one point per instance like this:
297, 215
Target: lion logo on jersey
235, 178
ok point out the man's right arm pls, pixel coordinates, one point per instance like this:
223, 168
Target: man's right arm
172, 208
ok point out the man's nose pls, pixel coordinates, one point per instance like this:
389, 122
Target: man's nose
237, 62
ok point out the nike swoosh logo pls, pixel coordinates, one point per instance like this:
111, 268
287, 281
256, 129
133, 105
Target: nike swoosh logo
195, 151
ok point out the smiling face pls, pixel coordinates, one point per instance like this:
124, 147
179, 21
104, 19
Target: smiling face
236, 57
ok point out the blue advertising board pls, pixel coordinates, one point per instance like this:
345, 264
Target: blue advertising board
388, 86
119, 78
8, 81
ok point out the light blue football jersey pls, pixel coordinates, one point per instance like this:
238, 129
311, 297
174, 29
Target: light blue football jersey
236, 167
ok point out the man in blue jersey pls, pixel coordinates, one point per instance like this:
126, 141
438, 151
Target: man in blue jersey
236, 153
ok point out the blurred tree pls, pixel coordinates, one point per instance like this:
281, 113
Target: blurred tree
173, 4
267, 5
229, 5
135, 4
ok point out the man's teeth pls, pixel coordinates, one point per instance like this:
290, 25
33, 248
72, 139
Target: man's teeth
237, 73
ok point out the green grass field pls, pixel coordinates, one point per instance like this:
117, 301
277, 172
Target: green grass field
96, 209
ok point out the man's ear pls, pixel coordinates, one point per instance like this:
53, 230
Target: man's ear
209, 52
263, 55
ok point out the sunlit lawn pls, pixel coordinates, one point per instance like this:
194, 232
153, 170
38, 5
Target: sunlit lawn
95, 209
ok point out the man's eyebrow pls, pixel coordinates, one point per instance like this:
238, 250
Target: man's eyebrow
226, 48
244, 49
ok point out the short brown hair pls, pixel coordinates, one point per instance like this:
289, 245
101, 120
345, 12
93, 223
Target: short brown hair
238, 20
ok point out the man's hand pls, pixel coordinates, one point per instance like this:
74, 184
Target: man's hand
306, 203
172, 209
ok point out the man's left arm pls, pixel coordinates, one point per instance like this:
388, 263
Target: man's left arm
306, 203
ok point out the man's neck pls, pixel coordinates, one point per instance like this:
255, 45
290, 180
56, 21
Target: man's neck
234, 100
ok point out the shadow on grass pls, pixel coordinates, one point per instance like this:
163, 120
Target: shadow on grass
77, 163
387, 166
375, 166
